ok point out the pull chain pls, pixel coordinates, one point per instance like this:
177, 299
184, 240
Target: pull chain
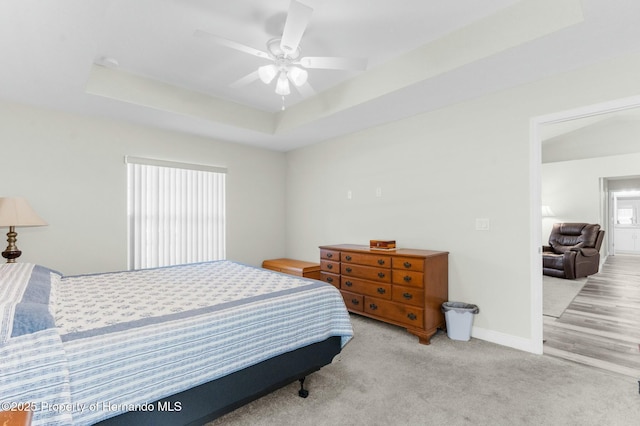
282, 103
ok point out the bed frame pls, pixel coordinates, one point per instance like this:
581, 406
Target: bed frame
211, 400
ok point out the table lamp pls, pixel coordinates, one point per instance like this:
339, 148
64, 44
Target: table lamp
16, 211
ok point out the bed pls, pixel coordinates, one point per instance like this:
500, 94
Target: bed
174, 345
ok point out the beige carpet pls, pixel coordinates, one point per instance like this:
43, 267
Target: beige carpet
384, 377
558, 293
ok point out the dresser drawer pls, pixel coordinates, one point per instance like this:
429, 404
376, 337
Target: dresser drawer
366, 259
353, 302
330, 255
408, 263
366, 272
329, 266
409, 295
405, 314
409, 278
333, 279
368, 288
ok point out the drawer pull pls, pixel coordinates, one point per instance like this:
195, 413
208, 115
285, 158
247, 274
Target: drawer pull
355, 302
381, 290
408, 296
329, 279
329, 255
329, 266
380, 261
380, 274
373, 306
412, 316
407, 265
349, 270
348, 283
348, 258
407, 278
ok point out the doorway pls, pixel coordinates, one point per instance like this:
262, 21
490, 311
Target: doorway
623, 196
536, 131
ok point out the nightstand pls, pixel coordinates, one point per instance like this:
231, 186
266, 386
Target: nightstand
299, 268
15, 418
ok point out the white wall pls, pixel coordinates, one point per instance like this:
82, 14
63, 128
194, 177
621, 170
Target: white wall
572, 188
438, 172
574, 163
71, 169
610, 137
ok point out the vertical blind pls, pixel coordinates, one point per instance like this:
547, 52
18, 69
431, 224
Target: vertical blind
176, 212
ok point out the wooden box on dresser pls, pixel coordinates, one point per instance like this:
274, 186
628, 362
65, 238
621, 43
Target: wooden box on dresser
405, 287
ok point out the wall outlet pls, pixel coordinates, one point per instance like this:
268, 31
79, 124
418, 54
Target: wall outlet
349, 195
378, 192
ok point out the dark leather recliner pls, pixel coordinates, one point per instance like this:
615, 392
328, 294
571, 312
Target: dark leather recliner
573, 250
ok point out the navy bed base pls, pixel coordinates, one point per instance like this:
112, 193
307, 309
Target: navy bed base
211, 400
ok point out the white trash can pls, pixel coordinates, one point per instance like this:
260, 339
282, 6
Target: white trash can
459, 318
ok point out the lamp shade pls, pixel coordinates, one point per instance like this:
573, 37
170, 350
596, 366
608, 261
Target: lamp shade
547, 212
267, 73
282, 85
298, 76
16, 211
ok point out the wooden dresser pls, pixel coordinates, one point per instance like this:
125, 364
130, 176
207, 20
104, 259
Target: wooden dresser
405, 287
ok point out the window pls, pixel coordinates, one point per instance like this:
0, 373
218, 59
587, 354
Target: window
176, 212
625, 215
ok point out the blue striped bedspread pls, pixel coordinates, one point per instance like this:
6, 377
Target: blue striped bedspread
134, 337
33, 363
130, 338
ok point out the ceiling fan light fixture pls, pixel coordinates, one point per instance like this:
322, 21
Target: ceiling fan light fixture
284, 53
298, 76
267, 73
282, 85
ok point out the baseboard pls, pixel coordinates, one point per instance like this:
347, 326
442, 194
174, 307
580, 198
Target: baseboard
503, 339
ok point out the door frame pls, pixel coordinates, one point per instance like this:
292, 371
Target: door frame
612, 214
535, 177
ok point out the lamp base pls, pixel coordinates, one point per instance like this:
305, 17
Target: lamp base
11, 255
12, 252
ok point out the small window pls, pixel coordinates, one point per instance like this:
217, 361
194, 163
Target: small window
625, 216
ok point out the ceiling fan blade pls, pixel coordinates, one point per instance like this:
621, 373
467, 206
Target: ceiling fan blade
297, 20
305, 90
334, 63
247, 79
231, 44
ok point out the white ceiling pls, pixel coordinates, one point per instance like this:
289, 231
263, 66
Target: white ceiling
421, 55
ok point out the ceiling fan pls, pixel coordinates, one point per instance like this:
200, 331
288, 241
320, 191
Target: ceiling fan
284, 53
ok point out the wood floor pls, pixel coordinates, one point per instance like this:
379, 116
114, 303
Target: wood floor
601, 327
